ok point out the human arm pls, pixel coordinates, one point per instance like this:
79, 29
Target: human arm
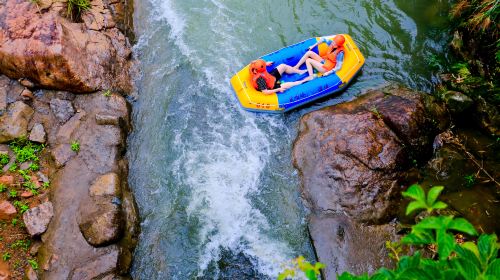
271, 91
338, 66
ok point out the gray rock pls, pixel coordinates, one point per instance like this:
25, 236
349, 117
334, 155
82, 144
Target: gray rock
66, 131
62, 109
62, 153
107, 119
43, 177
344, 245
457, 102
37, 133
104, 225
38, 218
14, 123
99, 266
108, 184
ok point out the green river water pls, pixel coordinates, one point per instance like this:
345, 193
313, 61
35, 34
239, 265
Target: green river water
216, 189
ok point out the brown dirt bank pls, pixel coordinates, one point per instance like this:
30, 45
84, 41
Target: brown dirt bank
82, 223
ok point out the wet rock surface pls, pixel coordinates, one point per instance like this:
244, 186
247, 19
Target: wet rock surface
352, 158
37, 43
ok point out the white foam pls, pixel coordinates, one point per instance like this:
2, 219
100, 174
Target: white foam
222, 163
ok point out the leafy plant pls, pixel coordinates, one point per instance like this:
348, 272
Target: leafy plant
14, 221
6, 256
468, 260
2, 187
25, 150
31, 187
470, 180
428, 203
34, 264
23, 244
76, 7
75, 146
13, 193
34, 167
13, 167
107, 93
300, 264
4, 159
21, 206
46, 185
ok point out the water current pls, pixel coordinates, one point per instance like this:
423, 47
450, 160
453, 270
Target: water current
215, 186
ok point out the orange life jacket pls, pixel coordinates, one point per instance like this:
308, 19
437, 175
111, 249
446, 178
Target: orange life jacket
331, 57
258, 70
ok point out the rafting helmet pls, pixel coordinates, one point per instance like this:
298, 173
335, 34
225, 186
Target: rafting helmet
258, 66
339, 40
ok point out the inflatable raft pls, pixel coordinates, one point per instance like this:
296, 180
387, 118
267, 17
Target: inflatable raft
253, 100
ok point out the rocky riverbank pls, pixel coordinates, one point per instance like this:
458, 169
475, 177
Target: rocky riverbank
354, 160
62, 96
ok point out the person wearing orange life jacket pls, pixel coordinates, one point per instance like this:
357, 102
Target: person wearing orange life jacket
327, 64
269, 83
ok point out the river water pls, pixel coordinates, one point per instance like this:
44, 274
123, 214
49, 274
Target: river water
216, 189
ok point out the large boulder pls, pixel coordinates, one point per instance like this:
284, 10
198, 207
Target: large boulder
14, 123
352, 159
40, 44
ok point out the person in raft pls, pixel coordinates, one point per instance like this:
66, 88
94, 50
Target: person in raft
327, 64
269, 83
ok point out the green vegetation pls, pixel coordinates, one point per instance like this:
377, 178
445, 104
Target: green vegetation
312, 272
34, 264
4, 159
107, 93
21, 206
25, 150
14, 222
13, 193
13, 167
470, 180
375, 112
454, 260
480, 15
76, 7
34, 167
75, 146
22, 244
6, 256
3, 188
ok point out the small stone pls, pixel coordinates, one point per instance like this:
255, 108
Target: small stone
107, 119
38, 218
7, 210
103, 226
14, 123
7, 180
27, 83
26, 194
27, 95
25, 165
37, 133
66, 131
43, 177
62, 154
108, 184
62, 109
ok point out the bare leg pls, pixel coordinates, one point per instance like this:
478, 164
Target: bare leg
289, 69
309, 54
310, 63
